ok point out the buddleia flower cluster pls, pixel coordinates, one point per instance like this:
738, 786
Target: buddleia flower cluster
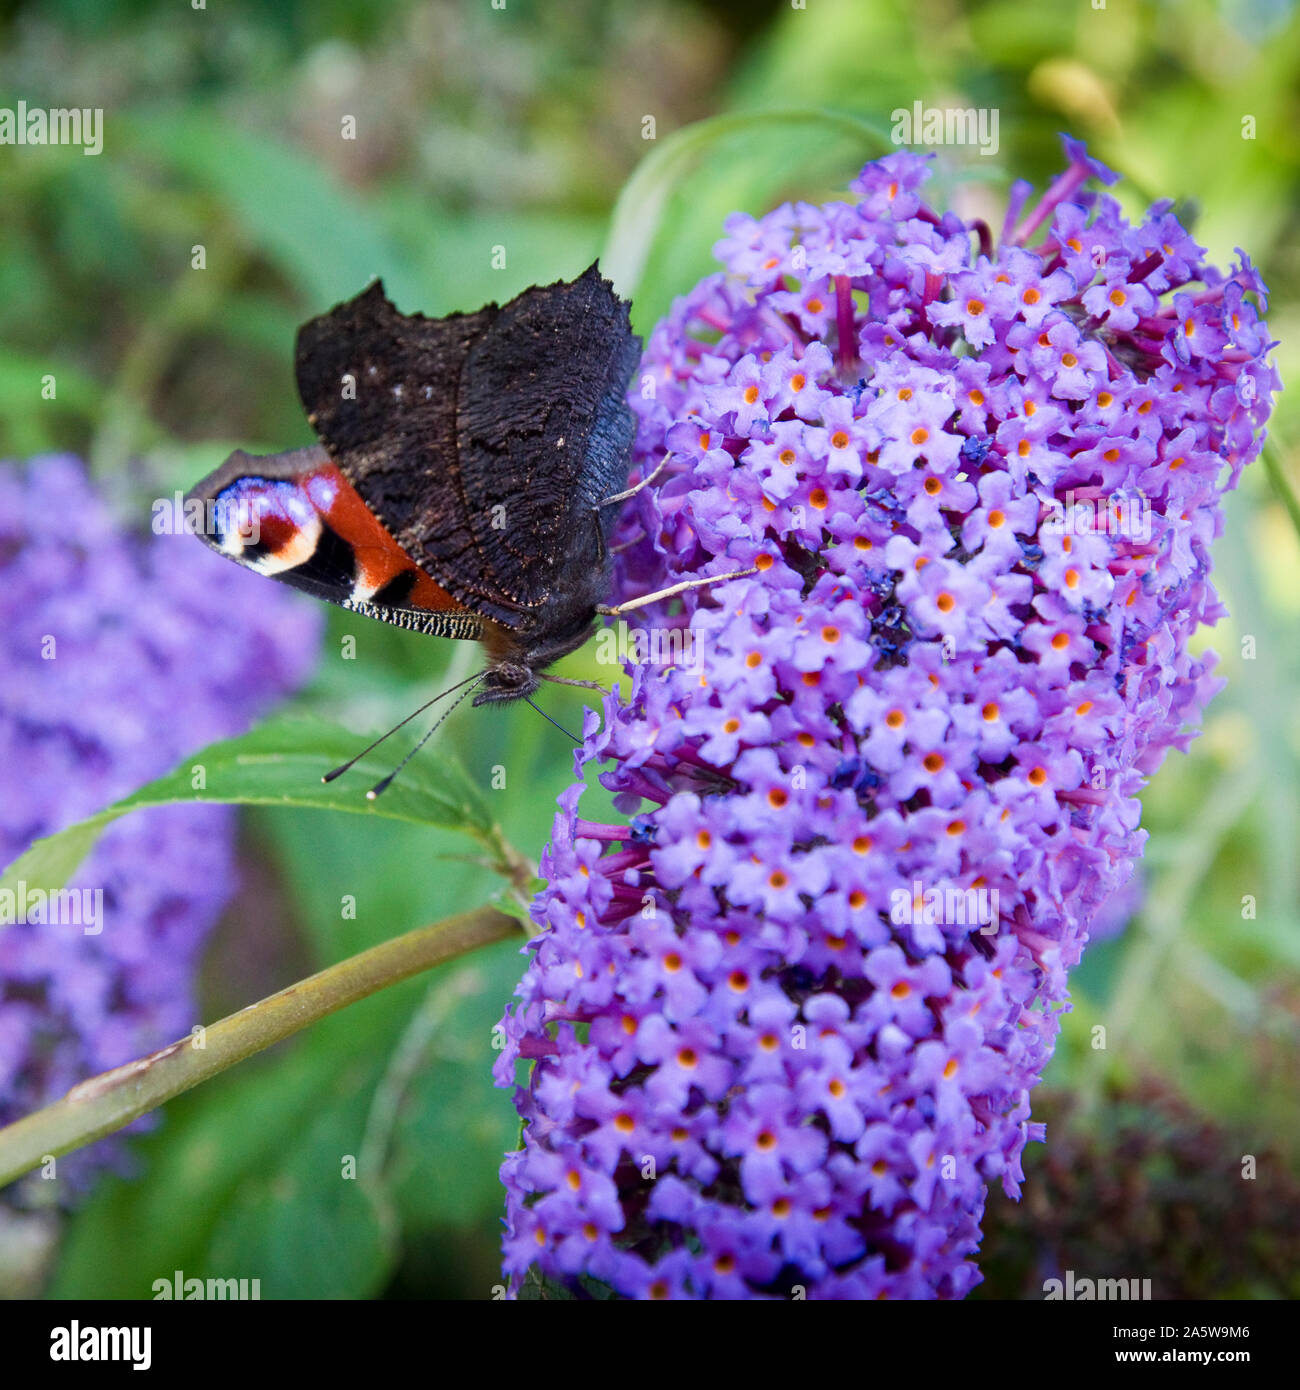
781, 1022
120, 655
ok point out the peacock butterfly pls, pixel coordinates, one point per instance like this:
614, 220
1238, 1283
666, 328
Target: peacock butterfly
457, 488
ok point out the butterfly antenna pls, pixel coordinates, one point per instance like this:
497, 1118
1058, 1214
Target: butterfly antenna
385, 782
549, 720
339, 771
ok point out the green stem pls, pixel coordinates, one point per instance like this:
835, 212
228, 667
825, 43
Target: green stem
105, 1103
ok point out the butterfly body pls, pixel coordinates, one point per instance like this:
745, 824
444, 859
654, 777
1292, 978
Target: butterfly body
456, 489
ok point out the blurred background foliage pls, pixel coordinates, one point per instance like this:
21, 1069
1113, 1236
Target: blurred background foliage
478, 128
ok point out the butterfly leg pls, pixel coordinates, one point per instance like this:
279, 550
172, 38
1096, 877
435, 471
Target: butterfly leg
569, 680
627, 545
646, 599
632, 491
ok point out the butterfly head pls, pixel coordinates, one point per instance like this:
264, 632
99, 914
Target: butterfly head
506, 680
517, 656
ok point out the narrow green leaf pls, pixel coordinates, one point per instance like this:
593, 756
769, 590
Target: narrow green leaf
1274, 456
293, 211
280, 763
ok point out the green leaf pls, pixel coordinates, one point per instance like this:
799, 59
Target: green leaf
1275, 465
25, 416
306, 1229
454, 1124
243, 1169
323, 236
219, 1145
395, 874
280, 764
451, 253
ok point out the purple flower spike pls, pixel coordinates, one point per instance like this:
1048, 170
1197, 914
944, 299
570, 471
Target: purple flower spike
786, 1009
120, 656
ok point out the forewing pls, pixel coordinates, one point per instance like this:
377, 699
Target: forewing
296, 518
379, 388
544, 430
482, 441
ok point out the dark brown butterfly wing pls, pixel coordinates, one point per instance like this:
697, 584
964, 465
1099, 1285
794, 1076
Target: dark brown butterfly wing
481, 441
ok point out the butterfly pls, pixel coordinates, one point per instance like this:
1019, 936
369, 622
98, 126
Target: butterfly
462, 480
465, 479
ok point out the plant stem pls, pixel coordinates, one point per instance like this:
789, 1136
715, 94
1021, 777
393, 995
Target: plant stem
106, 1102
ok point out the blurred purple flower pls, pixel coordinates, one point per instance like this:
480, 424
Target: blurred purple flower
774, 1044
120, 656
